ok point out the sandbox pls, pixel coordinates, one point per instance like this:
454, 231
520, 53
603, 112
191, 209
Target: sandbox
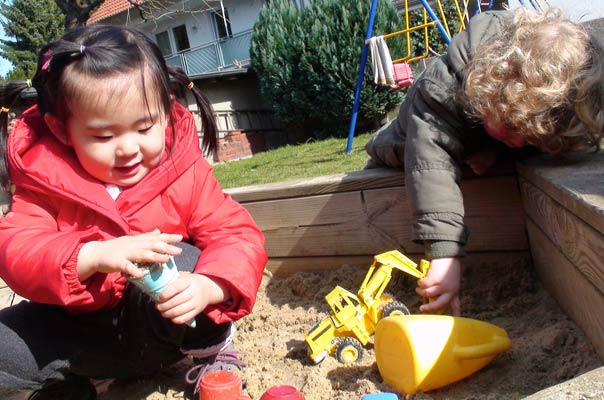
534, 263
547, 347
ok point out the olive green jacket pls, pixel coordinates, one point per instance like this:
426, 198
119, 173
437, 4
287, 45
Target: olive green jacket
433, 136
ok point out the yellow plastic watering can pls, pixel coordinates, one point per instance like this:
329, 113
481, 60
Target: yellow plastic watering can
426, 352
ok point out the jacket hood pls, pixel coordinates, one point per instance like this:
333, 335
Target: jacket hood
41, 163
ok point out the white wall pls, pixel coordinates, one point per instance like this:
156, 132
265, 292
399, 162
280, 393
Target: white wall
577, 10
200, 29
243, 14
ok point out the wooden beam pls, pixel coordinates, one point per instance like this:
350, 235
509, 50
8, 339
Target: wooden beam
347, 182
576, 183
290, 266
575, 294
370, 221
564, 204
374, 178
577, 241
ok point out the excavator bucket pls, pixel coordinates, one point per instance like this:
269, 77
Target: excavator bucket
397, 260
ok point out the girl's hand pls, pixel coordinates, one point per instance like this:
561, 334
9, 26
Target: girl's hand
442, 283
120, 254
189, 295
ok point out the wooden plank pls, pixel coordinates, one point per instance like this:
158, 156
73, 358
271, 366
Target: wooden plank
580, 243
334, 225
368, 222
290, 266
494, 215
350, 181
589, 385
293, 265
575, 294
576, 183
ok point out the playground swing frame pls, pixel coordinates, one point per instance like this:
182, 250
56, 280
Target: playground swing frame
442, 27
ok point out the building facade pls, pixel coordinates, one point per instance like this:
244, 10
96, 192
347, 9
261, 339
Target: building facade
211, 41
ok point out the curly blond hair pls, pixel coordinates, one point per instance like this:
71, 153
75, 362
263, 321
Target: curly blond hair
542, 77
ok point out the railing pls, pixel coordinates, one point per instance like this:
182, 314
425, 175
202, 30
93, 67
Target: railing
215, 56
246, 120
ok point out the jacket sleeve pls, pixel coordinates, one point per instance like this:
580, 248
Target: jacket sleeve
38, 259
433, 159
232, 245
437, 130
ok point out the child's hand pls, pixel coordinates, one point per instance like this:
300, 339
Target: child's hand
442, 282
120, 254
189, 295
481, 161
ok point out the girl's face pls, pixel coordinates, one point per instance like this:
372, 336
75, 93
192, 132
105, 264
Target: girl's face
501, 133
117, 136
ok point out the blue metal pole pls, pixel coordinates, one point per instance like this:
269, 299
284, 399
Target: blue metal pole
357, 92
534, 5
439, 25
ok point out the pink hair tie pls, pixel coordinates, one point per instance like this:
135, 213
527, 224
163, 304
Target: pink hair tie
46, 57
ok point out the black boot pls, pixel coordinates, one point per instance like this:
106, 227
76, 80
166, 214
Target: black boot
73, 389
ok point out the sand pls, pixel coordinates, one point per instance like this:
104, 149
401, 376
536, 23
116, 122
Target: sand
547, 347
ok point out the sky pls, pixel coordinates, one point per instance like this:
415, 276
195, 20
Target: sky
578, 10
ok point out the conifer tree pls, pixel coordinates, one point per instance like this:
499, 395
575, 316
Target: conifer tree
307, 61
28, 25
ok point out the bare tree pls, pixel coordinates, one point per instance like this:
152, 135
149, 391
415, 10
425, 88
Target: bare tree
154, 10
77, 12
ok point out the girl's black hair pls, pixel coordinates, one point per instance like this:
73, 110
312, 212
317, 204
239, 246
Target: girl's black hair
100, 51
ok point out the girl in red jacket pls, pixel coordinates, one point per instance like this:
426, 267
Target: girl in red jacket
109, 173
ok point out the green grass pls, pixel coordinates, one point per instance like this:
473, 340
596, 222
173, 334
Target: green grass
324, 157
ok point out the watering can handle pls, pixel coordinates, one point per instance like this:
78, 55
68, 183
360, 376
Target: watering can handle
497, 345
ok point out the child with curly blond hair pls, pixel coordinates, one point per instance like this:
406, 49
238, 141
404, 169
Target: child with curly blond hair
512, 80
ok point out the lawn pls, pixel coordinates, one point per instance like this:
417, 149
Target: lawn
322, 157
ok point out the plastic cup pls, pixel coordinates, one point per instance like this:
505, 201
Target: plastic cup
380, 396
282, 392
157, 277
220, 385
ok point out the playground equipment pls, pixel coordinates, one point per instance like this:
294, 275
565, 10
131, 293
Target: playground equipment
401, 70
353, 318
426, 352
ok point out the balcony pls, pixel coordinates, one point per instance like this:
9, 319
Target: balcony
216, 57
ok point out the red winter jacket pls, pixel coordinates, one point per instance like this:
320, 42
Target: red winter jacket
58, 207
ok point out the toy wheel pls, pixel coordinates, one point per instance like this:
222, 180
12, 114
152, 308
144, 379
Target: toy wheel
349, 351
395, 308
386, 298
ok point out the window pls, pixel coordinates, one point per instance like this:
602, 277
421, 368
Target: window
177, 38
181, 38
163, 41
222, 24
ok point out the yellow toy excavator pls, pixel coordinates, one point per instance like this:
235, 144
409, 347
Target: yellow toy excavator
352, 319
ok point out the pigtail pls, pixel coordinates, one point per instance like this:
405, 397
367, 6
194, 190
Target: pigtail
210, 130
9, 92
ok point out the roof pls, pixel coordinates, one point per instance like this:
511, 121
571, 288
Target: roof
109, 8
